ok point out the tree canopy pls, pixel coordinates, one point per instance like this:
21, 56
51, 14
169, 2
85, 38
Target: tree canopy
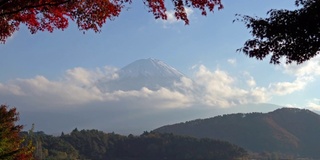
11, 147
292, 34
48, 15
97, 145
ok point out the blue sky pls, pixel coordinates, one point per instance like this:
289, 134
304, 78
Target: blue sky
206, 47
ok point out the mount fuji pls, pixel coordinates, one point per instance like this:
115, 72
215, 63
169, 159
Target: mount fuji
118, 101
150, 73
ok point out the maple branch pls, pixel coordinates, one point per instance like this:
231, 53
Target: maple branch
28, 7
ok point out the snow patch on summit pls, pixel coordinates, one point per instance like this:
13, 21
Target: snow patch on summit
150, 73
149, 68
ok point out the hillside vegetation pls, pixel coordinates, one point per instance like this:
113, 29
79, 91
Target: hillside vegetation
97, 145
287, 131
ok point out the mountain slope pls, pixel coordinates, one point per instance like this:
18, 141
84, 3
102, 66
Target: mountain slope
150, 73
286, 130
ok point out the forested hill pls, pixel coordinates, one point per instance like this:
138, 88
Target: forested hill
287, 130
97, 145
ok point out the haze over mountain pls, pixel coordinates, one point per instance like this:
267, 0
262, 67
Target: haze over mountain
287, 130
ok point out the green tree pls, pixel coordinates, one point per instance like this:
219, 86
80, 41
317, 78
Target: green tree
292, 34
11, 143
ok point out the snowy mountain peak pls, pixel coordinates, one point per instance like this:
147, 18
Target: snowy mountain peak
150, 73
149, 68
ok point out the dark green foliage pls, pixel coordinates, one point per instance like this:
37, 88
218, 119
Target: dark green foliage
285, 131
51, 148
91, 144
293, 34
155, 146
96, 145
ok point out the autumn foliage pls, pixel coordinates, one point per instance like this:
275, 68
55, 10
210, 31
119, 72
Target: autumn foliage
48, 15
11, 143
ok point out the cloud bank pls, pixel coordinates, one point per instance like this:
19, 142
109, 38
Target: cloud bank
79, 87
209, 88
77, 99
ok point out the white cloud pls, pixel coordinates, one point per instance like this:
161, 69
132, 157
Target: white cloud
86, 78
171, 19
11, 89
213, 88
78, 86
251, 82
160, 99
185, 84
219, 89
284, 88
56, 92
259, 95
304, 74
81, 76
314, 104
232, 61
292, 106
308, 68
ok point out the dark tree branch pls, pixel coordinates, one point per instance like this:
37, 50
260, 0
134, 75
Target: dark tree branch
291, 34
29, 6
3, 2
